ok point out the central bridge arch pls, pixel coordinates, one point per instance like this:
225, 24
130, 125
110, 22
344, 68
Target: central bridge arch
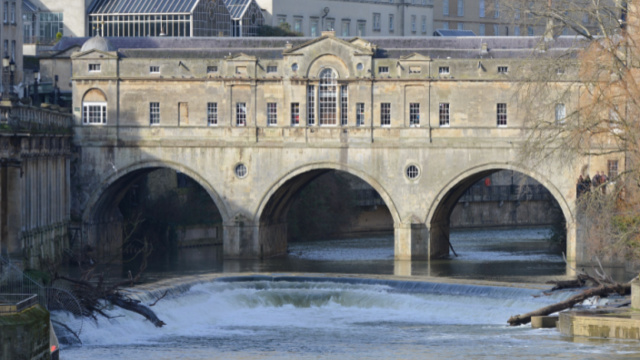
438, 218
276, 202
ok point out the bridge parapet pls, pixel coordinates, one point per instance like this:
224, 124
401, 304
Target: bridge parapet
15, 117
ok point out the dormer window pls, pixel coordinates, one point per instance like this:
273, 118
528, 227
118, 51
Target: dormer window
383, 70
272, 69
212, 69
443, 70
154, 69
94, 68
241, 70
415, 69
503, 69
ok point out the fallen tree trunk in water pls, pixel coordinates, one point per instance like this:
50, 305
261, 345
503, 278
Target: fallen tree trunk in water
136, 307
602, 290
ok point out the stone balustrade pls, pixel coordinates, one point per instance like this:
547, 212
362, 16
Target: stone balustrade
22, 117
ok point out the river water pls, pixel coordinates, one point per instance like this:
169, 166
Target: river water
317, 316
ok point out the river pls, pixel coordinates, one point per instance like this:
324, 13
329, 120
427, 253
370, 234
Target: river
318, 315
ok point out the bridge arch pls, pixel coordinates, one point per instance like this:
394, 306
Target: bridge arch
442, 206
101, 218
275, 203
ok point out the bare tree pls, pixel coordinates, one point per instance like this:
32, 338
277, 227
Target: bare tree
580, 109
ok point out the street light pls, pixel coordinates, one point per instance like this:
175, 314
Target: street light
6, 63
36, 77
12, 69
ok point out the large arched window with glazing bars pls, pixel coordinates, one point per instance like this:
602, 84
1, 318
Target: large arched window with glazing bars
328, 100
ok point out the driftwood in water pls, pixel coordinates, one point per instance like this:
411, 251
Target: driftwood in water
581, 281
135, 306
602, 290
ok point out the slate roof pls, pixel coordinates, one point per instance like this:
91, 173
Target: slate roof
27, 6
447, 32
386, 47
237, 8
141, 6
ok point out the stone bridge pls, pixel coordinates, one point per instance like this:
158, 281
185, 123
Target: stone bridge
35, 150
255, 126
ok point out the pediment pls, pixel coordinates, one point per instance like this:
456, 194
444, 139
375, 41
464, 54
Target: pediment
241, 57
328, 42
415, 57
94, 54
360, 42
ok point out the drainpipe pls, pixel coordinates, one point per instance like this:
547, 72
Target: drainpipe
326, 12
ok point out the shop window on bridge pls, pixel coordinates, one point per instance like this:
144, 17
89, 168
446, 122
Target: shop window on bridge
241, 114
94, 113
444, 114
360, 114
311, 105
295, 114
328, 98
385, 114
94, 108
414, 115
501, 114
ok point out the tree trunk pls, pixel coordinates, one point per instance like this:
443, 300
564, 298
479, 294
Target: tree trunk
602, 290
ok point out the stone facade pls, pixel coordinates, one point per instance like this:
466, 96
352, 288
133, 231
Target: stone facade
35, 195
351, 17
254, 121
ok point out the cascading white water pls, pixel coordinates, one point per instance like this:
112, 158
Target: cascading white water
319, 318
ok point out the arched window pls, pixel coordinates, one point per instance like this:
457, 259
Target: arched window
94, 108
328, 98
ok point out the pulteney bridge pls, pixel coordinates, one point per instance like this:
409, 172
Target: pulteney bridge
254, 120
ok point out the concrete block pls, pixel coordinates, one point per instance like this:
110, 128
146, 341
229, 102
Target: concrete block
635, 294
543, 322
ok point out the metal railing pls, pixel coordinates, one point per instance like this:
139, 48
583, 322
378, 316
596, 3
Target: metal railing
14, 282
15, 303
482, 193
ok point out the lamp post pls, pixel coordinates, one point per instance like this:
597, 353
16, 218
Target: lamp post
6, 63
36, 96
12, 69
56, 91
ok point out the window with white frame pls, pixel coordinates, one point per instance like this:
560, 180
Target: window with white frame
346, 24
414, 114
241, 114
443, 70
330, 24
297, 24
13, 12
362, 26
295, 114
460, 7
360, 114
612, 167
445, 7
327, 98
311, 105
282, 19
6, 12
501, 114
481, 30
561, 113
443, 109
503, 69
94, 67
344, 105
313, 26
481, 12
424, 25
272, 114
413, 23
94, 113
154, 113
391, 24
385, 114
212, 114
383, 69
376, 22
154, 69
272, 69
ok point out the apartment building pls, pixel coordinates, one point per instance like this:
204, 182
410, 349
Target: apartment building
352, 17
